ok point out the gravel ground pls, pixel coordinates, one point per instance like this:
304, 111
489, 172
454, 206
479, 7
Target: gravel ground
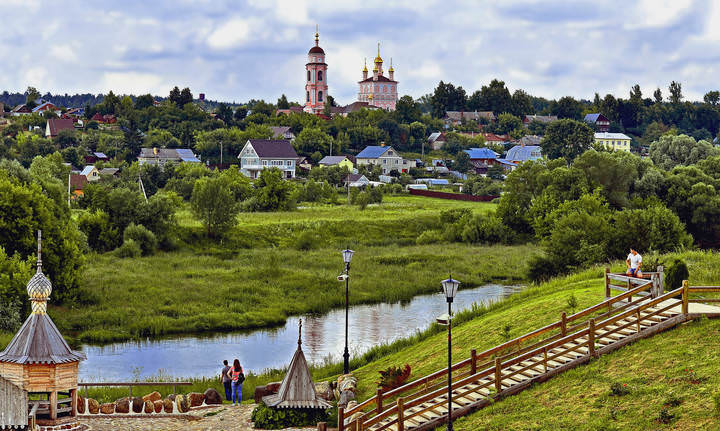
227, 418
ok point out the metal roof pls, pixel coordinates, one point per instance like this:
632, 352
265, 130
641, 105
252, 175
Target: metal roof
481, 153
331, 160
269, 148
187, 155
520, 153
39, 342
372, 152
87, 169
607, 135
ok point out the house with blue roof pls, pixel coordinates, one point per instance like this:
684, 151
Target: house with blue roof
481, 159
601, 122
385, 157
161, 156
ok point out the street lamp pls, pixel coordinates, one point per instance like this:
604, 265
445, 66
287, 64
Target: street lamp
450, 288
347, 257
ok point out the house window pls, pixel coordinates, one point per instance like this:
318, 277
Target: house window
288, 162
308, 75
320, 96
265, 162
320, 75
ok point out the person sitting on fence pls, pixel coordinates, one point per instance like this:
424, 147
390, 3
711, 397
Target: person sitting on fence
634, 263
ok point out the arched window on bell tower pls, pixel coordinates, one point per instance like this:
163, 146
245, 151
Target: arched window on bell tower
320, 99
308, 75
308, 95
320, 75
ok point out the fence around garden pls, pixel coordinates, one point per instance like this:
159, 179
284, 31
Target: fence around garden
453, 196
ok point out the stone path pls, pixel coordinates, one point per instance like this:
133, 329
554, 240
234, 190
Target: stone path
226, 418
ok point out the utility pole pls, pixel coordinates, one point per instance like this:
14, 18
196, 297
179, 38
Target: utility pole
142, 187
221, 153
69, 175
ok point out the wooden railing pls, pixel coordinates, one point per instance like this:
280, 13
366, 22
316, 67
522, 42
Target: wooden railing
131, 384
491, 362
703, 299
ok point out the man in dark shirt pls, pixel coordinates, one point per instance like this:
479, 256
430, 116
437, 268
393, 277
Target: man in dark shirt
226, 380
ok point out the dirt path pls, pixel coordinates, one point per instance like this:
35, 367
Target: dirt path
223, 418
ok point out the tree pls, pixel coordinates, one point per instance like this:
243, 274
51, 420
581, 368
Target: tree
240, 113
161, 138
66, 138
31, 95
224, 113
670, 151
615, 173
567, 107
407, 110
675, 92
185, 97
566, 138
507, 123
712, 97
174, 95
495, 97
272, 192
447, 98
521, 104
462, 162
144, 101
283, 103
214, 205
657, 95
312, 139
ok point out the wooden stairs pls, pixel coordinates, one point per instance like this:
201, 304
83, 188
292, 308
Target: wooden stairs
513, 366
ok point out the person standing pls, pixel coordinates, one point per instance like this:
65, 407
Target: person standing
634, 264
237, 378
225, 379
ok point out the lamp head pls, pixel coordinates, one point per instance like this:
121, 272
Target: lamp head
347, 255
450, 288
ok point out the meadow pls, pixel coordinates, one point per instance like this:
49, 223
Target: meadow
274, 265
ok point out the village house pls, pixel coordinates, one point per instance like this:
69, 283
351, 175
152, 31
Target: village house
77, 185
282, 132
356, 180
91, 173
456, 117
260, 154
161, 156
45, 106
436, 140
545, 119
385, 157
601, 123
20, 110
304, 164
54, 126
96, 157
337, 161
481, 159
613, 141
523, 153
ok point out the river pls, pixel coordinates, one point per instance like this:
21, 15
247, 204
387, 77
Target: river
322, 337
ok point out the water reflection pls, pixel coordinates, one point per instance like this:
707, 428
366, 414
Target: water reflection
323, 337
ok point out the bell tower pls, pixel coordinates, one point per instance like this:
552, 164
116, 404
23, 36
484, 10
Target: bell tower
316, 87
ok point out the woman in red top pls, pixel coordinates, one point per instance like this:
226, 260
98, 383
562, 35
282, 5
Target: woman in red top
237, 377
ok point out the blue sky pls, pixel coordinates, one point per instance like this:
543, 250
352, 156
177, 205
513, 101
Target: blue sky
238, 50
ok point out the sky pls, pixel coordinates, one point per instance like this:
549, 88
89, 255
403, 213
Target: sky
244, 49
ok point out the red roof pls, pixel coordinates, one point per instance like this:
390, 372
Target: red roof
56, 125
97, 117
78, 181
380, 78
494, 137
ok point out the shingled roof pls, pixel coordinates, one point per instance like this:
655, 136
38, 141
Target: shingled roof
297, 389
268, 148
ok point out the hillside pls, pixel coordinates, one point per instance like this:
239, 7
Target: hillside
653, 369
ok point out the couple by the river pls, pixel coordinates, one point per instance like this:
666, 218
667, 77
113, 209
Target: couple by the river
232, 378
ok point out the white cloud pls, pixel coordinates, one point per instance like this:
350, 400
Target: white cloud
232, 34
133, 83
63, 53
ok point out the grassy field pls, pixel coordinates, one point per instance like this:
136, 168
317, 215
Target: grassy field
274, 265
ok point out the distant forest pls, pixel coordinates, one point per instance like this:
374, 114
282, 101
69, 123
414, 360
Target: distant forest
74, 100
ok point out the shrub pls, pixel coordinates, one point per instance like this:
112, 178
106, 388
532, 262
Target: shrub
305, 241
431, 236
142, 237
484, 229
393, 377
376, 195
10, 318
453, 215
675, 274
269, 418
665, 417
572, 303
129, 249
542, 268
362, 200
618, 389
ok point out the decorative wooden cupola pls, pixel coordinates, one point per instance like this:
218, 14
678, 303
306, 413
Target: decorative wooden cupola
297, 389
40, 361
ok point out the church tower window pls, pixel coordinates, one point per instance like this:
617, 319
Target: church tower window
320, 74
320, 97
308, 75
308, 96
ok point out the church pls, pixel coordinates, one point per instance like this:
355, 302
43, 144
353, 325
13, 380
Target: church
379, 90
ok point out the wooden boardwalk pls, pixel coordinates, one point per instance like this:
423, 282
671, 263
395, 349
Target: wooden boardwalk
641, 311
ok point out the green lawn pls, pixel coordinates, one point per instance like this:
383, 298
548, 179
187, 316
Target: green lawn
273, 265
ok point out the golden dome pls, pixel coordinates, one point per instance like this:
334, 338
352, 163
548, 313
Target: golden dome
391, 67
370, 96
365, 68
378, 59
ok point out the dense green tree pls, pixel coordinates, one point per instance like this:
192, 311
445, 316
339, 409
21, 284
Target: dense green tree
670, 151
214, 205
521, 104
225, 113
185, 97
675, 90
161, 138
566, 138
447, 97
311, 140
507, 123
657, 96
712, 97
282, 102
144, 101
567, 107
273, 192
407, 110
31, 95
615, 173
494, 97
240, 113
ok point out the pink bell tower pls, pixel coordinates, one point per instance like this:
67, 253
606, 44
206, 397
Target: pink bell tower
316, 88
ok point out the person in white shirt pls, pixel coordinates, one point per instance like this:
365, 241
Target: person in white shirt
634, 263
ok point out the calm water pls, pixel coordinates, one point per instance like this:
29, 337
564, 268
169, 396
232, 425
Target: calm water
323, 337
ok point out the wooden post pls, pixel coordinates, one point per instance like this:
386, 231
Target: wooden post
322, 426
545, 357
638, 320
53, 405
607, 283
379, 401
341, 419
563, 324
661, 280
73, 402
591, 338
359, 423
629, 288
498, 374
400, 415
654, 289
473, 361
685, 292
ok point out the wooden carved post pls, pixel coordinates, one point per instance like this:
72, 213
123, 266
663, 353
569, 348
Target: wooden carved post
322, 426
473, 362
378, 401
400, 415
53, 405
591, 338
607, 283
638, 319
563, 324
73, 402
498, 375
654, 289
359, 423
661, 280
545, 357
341, 419
685, 292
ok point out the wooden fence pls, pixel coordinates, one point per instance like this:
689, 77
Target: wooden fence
131, 384
453, 196
641, 310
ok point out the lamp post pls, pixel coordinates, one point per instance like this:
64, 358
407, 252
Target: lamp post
347, 257
450, 288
